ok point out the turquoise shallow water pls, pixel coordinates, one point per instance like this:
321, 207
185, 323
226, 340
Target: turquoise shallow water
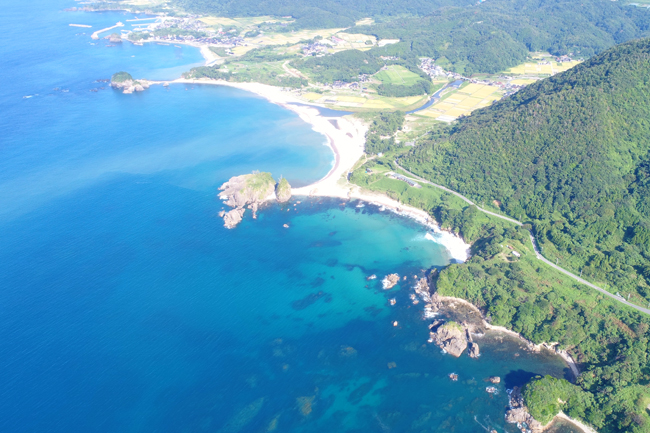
125, 306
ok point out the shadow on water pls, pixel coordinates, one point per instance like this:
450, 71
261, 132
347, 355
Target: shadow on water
518, 378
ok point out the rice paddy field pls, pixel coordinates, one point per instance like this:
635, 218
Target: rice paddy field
364, 101
398, 75
543, 64
462, 102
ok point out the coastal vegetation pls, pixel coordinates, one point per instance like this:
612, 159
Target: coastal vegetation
121, 77
569, 157
381, 133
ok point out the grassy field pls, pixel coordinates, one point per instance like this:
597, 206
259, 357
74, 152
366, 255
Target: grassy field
462, 102
395, 74
241, 22
353, 41
542, 64
291, 38
355, 101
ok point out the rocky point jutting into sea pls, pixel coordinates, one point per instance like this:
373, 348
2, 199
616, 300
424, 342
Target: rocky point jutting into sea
250, 191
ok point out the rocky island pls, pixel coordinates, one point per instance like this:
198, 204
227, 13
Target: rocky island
125, 82
249, 191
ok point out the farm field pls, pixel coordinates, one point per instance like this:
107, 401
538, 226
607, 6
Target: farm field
398, 75
462, 102
352, 41
358, 102
542, 64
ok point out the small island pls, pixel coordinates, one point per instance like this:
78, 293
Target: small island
125, 82
250, 190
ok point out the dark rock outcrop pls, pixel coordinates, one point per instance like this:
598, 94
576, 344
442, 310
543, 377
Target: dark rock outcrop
473, 351
449, 337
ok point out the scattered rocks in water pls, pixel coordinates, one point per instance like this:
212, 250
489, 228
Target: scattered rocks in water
453, 377
392, 301
372, 277
495, 379
390, 281
286, 226
222, 213
491, 390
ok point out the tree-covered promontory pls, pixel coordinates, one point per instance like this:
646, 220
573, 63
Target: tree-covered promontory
570, 157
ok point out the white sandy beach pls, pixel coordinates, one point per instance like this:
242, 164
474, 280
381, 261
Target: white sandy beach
346, 137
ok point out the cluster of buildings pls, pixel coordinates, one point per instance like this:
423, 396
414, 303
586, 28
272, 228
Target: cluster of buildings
433, 70
317, 49
202, 33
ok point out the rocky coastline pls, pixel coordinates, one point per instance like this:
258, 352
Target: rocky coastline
124, 81
249, 191
454, 338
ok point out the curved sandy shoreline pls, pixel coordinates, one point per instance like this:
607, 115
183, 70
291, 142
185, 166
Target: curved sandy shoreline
346, 138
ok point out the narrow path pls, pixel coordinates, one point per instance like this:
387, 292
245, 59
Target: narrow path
292, 72
534, 242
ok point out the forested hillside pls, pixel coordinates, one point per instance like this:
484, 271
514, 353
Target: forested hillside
570, 154
319, 13
498, 34
464, 36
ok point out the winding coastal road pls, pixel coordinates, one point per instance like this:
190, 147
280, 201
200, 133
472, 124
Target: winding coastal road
533, 241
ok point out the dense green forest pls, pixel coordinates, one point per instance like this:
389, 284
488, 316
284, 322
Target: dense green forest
318, 14
342, 66
569, 154
381, 133
498, 34
462, 35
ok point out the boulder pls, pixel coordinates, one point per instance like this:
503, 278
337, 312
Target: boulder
451, 338
390, 281
495, 379
232, 218
473, 350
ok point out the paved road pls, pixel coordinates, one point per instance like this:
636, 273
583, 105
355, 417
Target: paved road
534, 242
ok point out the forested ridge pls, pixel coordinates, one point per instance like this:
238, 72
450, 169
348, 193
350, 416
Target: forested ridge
462, 35
570, 156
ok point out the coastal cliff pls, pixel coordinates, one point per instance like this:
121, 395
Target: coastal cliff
124, 81
250, 191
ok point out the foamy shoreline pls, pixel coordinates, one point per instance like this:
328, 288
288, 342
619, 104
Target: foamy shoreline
345, 136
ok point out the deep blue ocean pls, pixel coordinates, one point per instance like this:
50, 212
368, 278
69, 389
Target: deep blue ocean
126, 306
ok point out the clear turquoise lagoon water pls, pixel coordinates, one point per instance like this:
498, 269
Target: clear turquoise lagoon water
125, 306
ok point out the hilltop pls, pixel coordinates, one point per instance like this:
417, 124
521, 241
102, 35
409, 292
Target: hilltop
569, 155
